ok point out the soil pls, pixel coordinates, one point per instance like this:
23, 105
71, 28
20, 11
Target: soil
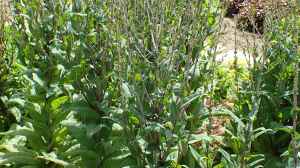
233, 39
4, 10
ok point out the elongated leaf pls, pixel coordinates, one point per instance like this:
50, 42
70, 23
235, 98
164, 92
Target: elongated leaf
53, 158
224, 112
19, 158
16, 113
260, 131
189, 100
56, 103
227, 157
196, 156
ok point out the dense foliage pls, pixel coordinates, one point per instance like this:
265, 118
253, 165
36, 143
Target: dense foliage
135, 83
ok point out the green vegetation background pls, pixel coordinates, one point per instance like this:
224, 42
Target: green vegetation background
111, 84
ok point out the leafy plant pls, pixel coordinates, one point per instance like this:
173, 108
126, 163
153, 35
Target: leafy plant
135, 84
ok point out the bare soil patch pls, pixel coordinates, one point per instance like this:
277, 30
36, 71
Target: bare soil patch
234, 41
4, 10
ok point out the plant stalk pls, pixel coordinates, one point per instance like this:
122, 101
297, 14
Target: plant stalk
295, 114
295, 100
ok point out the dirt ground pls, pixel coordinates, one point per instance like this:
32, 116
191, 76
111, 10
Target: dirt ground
243, 39
4, 10
233, 39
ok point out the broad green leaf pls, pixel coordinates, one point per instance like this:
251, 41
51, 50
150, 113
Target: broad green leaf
83, 111
56, 103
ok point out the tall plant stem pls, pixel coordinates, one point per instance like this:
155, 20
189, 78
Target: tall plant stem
295, 115
235, 56
295, 96
255, 102
2, 21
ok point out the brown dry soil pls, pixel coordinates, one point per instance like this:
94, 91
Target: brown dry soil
233, 39
4, 10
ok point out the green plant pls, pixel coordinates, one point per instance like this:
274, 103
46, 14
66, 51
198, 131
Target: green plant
135, 84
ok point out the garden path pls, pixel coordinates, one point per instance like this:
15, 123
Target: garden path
233, 39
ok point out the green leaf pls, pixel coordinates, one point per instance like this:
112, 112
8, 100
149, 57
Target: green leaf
260, 131
52, 157
125, 90
287, 129
227, 157
224, 112
17, 101
199, 137
30, 167
257, 160
34, 139
189, 100
16, 113
173, 155
92, 129
197, 156
23, 158
38, 80
56, 103
83, 111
